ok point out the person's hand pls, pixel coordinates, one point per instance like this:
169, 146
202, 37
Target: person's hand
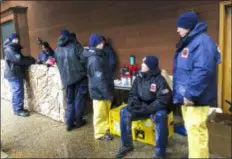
48, 62
188, 102
51, 61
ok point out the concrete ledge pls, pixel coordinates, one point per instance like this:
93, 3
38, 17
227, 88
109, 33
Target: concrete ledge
3, 155
43, 91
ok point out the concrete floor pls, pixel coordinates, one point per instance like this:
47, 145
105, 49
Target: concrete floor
41, 137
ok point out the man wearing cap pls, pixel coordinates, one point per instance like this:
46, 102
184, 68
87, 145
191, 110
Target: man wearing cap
46, 53
74, 78
195, 80
150, 96
100, 86
15, 66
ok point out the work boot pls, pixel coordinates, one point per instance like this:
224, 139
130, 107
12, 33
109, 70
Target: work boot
70, 127
123, 151
83, 122
26, 110
22, 113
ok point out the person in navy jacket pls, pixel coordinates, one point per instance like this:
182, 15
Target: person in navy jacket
195, 80
45, 54
150, 96
16, 65
73, 75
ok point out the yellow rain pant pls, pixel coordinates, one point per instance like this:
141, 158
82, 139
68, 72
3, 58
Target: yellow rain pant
195, 124
101, 122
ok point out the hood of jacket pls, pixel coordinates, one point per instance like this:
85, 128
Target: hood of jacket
201, 27
63, 41
92, 51
14, 46
6, 43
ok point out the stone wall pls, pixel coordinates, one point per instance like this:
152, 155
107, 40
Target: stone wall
43, 91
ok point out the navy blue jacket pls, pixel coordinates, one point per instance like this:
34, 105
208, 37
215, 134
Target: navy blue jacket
101, 83
15, 62
44, 56
110, 55
195, 73
150, 93
68, 61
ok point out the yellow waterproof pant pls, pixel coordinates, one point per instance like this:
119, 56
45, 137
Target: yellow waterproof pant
101, 122
195, 123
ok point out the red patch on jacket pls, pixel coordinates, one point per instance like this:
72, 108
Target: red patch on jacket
153, 87
185, 53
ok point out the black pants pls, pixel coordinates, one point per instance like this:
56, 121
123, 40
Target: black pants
75, 96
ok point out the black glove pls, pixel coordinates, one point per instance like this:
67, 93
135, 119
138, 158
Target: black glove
29, 60
133, 103
33, 61
141, 109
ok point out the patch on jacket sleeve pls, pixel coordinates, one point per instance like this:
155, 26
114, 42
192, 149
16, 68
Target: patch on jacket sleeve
153, 87
165, 91
97, 74
185, 53
218, 49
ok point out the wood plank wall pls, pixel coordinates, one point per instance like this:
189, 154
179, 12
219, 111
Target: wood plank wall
134, 27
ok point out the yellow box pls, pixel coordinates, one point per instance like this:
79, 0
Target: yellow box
142, 130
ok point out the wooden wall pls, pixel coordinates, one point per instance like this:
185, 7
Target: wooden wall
135, 27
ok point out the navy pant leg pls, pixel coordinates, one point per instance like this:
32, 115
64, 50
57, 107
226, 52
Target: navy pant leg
17, 89
70, 100
161, 129
125, 127
80, 102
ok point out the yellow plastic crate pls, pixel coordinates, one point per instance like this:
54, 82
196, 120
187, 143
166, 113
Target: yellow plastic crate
142, 130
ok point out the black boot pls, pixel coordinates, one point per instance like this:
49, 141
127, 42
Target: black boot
106, 137
82, 123
26, 110
123, 151
70, 127
22, 113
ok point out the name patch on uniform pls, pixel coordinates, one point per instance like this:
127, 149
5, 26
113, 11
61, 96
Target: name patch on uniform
185, 53
153, 87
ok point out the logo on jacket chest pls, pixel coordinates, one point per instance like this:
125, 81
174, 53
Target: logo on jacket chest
153, 87
185, 53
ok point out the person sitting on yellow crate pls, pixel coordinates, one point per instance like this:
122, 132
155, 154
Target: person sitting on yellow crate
150, 96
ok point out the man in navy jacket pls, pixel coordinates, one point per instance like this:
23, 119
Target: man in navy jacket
16, 65
150, 96
73, 75
45, 54
195, 80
